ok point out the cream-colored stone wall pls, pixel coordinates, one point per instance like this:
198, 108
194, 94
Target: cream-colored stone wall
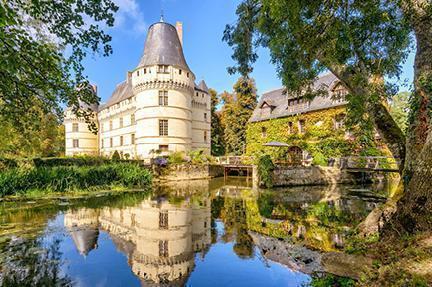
201, 121
87, 140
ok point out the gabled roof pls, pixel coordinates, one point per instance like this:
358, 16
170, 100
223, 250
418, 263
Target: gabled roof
279, 100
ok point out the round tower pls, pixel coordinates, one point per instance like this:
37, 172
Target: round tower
164, 85
79, 139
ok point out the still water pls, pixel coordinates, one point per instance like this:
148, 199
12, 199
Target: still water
200, 233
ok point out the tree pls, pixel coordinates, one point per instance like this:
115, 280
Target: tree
360, 42
399, 109
42, 45
236, 112
217, 130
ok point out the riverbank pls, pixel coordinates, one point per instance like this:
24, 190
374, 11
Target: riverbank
56, 180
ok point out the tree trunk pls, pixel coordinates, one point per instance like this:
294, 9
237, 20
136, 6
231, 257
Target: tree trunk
414, 210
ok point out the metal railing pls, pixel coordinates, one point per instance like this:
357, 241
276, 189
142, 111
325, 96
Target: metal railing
235, 160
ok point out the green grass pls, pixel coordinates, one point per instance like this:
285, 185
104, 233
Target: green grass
59, 179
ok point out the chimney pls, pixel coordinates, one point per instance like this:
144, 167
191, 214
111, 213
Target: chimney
179, 27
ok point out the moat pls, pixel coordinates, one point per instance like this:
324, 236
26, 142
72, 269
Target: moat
197, 233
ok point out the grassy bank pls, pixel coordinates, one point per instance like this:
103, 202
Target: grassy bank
60, 179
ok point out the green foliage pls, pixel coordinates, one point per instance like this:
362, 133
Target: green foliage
176, 158
265, 171
44, 138
236, 113
320, 139
38, 76
266, 204
68, 178
331, 280
217, 129
116, 155
199, 157
400, 108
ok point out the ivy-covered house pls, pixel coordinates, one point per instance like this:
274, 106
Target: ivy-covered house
313, 129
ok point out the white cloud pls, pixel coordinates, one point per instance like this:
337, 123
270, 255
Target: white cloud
129, 15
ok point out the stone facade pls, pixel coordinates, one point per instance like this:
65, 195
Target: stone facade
157, 107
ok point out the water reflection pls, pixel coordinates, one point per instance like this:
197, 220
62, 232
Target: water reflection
195, 233
159, 238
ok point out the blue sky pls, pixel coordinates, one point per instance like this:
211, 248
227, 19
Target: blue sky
203, 25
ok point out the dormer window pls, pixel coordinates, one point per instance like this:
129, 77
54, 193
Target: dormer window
145, 71
297, 104
138, 73
162, 69
339, 93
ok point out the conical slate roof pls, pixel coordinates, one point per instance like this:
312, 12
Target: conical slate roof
163, 47
203, 86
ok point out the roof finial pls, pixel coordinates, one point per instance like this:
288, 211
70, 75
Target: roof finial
162, 16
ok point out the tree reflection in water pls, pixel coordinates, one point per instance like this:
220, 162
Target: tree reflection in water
25, 263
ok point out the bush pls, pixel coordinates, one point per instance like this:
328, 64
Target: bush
265, 171
176, 158
67, 178
116, 156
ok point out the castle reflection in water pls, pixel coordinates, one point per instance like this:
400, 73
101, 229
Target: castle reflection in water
159, 238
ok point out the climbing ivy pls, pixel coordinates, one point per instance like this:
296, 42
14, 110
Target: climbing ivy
320, 138
265, 171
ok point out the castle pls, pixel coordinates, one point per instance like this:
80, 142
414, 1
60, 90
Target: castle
159, 107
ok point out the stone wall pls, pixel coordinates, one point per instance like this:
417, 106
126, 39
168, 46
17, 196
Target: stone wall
190, 172
314, 175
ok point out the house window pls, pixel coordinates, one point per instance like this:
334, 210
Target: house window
263, 132
132, 119
162, 69
75, 143
121, 140
111, 125
301, 124
205, 116
163, 248
75, 127
339, 121
290, 128
121, 122
163, 147
132, 138
163, 219
163, 98
163, 127
205, 136
111, 142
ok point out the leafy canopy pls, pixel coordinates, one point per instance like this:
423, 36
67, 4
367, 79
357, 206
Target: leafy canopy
42, 45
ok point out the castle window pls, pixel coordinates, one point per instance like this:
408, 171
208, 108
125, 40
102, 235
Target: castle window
121, 140
187, 75
163, 219
137, 73
103, 145
75, 143
145, 71
264, 132
75, 127
301, 124
205, 136
163, 147
205, 116
132, 119
162, 69
290, 128
121, 122
111, 125
111, 142
132, 138
180, 72
163, 98
163, 127
163, 248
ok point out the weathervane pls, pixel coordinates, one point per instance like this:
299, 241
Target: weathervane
162, 16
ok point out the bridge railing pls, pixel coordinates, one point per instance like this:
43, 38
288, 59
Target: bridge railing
235, 160
370, 163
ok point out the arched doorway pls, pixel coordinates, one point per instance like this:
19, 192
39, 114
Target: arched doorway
295, 155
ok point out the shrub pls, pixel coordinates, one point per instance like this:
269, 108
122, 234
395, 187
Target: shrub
116, 156
67, 178
265, 171
176, 158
